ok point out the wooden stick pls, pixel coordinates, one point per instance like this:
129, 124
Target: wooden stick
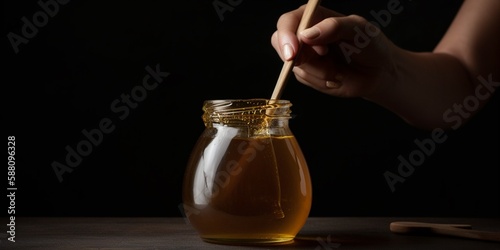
456, 230
288, 65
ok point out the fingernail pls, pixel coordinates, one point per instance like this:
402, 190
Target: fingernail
287, 51
333, 85
310, 33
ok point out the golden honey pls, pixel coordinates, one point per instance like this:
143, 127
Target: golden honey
247, 181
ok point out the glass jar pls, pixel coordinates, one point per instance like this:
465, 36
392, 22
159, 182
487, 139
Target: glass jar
247, 181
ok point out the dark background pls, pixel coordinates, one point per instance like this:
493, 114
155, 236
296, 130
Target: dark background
91, 52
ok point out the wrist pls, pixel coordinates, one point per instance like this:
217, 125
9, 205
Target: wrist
390, 79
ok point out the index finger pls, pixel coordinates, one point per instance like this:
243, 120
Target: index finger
288, 23
287, 32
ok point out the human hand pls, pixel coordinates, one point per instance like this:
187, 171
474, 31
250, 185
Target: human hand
340, 55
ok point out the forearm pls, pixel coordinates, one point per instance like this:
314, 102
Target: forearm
456, 79
425, 87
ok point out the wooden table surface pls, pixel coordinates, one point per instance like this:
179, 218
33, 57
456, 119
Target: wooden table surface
175, 233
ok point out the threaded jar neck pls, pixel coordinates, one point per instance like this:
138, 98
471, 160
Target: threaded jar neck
246, 112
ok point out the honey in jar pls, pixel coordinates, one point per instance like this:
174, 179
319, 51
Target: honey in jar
247, 181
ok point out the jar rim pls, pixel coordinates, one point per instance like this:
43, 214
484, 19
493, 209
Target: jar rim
225, 104
246, 111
